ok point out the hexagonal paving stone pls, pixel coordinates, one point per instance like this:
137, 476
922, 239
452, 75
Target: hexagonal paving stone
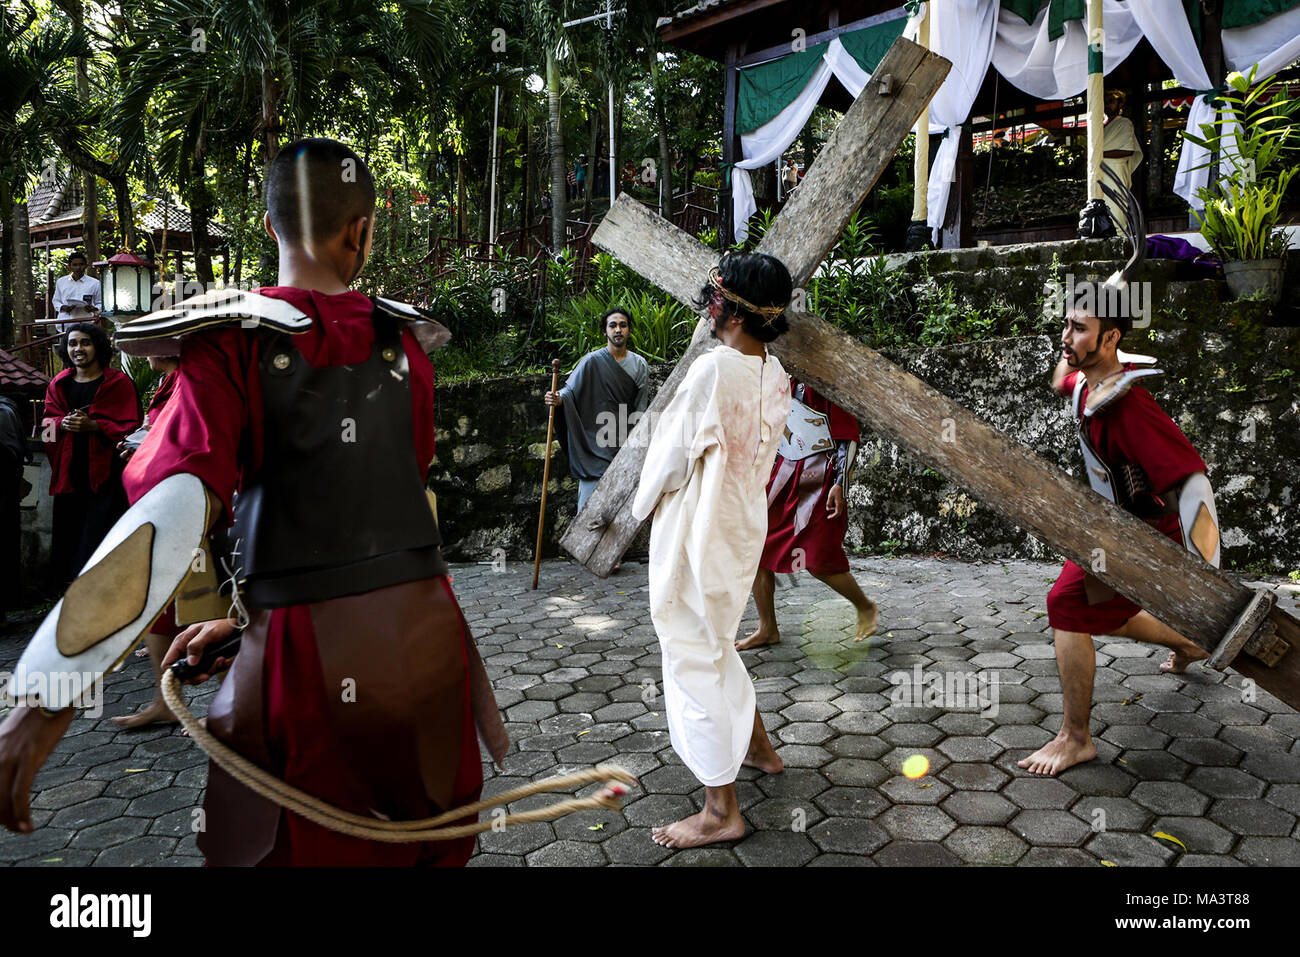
1155, 765
916, 823
926, 790
856, 772
635, 847
1170, 798
986, 845
776, 849
1051, 828
1269, 852
851, 802
1273, 766
1128, 849
1112, 813
567, 854
1040, 793
1252, 818
1226, 783
916, 854
849, 836
1199, 835
970, 748
979, 807
974, 777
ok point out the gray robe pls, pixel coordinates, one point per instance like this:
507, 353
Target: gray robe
602, 400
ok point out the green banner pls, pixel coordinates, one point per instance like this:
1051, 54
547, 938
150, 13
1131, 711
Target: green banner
767, 89
1246, 13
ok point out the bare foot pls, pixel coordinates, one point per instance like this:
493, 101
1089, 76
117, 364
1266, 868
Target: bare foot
1058, 754
867, 622
762, 756
699, 829
1178, 661
155, 712
142, 652
758, 639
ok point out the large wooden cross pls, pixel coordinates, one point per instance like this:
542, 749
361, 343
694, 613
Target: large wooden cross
1207, 605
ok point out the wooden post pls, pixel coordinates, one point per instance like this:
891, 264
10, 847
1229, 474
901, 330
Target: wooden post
957, 227
730, 146
921, 160
546, 473
1096, 98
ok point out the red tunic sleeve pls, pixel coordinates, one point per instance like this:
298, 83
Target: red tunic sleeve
199, 429
1146, 435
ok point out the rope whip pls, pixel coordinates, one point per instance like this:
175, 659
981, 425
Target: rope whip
313, 809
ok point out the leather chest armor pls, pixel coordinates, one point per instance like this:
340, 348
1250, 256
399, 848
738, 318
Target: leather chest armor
339, 506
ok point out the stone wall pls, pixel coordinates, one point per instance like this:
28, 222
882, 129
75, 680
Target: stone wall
1239, 405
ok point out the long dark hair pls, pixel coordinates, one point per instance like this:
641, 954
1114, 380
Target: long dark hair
98, 337
761, 279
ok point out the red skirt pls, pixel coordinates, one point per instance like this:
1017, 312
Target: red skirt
799, 535
1069, 609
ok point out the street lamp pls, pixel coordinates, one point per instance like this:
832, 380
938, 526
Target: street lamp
128, 283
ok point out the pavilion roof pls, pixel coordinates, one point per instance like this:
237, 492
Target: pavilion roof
18, 376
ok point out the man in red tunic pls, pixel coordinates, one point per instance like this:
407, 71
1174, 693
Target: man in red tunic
1149, 455
89, 408
806, 512
357, 680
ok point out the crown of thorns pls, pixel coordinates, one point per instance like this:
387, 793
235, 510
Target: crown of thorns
769, 313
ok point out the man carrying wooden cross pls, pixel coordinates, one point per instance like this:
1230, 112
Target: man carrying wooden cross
1138, 458
703, 478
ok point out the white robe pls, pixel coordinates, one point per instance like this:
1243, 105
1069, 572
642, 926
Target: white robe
1119, 135
705, 478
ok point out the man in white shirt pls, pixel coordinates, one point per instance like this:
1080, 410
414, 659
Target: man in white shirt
77, 297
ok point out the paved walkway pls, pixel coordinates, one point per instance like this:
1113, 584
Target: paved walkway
576, 667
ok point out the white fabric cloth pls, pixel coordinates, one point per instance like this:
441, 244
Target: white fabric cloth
704, 478
1273, 44
1120, 135
1164, 22
73, 292
766, 144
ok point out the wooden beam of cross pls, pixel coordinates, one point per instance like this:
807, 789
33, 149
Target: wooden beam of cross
1206, 604
858, 151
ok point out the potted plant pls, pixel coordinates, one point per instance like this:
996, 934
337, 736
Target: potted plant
1257, 136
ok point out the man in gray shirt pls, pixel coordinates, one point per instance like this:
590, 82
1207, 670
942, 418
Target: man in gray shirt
603, 399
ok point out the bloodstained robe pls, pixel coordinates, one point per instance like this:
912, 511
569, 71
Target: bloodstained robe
703, 478
213, 427
1135, 430
796, 501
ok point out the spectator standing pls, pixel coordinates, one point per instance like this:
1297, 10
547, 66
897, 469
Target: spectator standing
89, 409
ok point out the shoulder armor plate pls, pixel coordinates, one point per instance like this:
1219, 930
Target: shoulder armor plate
159, 333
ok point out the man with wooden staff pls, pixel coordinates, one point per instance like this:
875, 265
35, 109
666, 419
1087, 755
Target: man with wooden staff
1138, 458
605, 395
704, 477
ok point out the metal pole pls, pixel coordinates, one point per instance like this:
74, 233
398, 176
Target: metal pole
492, 192
613, 179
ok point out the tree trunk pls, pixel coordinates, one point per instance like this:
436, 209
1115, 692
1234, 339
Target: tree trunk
665, 154
462, 219
559, 206
90, 206
526, 210
594, 149
6, 269
200, 200
24, 304
243, 215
